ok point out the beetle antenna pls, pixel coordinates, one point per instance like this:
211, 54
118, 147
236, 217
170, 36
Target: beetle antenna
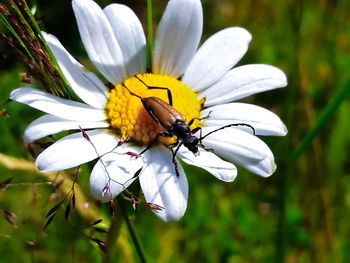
227, 126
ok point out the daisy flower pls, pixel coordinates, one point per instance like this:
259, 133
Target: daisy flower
202, 82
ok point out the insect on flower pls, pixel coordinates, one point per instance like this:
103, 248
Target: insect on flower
173, 123
200, 81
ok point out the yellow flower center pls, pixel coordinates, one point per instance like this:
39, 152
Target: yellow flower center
129, 118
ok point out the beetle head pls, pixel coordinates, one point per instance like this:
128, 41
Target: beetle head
191, 142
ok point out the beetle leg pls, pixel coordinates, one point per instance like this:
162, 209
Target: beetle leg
200, 119
170, 97
143, 103
163, 134
174, 158
131, 93
201, 138
197, 129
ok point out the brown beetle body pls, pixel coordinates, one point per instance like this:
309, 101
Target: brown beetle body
172, 122
163, 113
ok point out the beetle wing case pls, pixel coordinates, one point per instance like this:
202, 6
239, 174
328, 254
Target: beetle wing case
165, 114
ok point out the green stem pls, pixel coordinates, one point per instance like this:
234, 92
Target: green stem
14, 33
47, 48
132, 233
113, 233
149, 45
322, 119
38, 32
135, 240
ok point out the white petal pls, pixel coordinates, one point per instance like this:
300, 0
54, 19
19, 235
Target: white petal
242, 148
99, 41
50, 124
112, 174
67, 109
131, 38
262, 120
206, 160
85, 84
162, 187
74, 150
178, 36
244, 81
216, 57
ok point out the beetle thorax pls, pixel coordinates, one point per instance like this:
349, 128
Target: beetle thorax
180, 129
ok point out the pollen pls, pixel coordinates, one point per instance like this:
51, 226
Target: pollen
128, 117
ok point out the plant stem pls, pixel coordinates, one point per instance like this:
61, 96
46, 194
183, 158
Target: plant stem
135, 240
149, 45
322, 119
133, 234
113, 233
53, 60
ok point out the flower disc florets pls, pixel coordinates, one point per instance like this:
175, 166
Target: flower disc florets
127, 115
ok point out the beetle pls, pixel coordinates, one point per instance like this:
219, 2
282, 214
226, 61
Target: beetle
173, 123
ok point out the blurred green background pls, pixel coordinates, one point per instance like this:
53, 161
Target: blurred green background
300, 214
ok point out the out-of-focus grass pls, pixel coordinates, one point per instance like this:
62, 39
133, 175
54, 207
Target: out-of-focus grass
300, 214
